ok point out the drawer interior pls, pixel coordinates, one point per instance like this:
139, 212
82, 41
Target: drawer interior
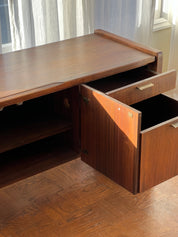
156, 110
121, 79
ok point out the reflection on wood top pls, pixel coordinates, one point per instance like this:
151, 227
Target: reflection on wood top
63, 64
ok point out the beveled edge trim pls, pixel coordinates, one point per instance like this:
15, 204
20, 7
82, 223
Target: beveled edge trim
130, 43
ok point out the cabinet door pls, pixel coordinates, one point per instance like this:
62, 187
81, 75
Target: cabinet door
159, 154
110, 137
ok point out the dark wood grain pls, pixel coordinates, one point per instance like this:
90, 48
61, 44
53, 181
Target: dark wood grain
66, 104
34, 72
131, 94
159, 153
110, 130
109, 137
74, 100
159, 150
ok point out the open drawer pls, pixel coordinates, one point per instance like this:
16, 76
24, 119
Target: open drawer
159, 140
135, 145
136, 85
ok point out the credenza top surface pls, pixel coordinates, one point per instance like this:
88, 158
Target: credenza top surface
64, 64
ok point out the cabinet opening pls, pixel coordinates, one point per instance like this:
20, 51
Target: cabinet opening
40, 118
38, 134
121, 79
34, 120
156, 110
31, 159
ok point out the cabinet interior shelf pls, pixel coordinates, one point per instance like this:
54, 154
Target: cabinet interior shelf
20, 133
34, 158
34, 120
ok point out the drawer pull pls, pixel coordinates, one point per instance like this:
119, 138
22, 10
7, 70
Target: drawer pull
141, 88
175, 125
20, 103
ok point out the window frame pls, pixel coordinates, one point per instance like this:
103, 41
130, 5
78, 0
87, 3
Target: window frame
161, 16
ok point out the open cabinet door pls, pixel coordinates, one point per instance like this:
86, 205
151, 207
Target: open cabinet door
110, 137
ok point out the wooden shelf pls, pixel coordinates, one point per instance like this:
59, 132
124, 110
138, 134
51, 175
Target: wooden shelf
24, 131
34, 158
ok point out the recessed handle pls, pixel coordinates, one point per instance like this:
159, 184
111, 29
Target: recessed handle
141, 88
175, 125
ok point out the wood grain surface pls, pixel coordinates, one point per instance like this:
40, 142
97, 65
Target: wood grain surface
130, 94
159, 149
74, 200
110, 137
155, 66
159, 154
45, 69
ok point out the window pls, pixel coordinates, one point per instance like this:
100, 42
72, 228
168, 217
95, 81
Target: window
161, 20
5, 26
161, 9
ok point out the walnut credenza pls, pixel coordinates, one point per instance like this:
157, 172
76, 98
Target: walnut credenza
103, 93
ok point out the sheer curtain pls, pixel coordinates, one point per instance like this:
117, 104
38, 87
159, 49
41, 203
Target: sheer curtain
132, 19
37, 22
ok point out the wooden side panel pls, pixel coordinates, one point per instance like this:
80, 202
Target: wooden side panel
157, 66
109, 137
159, 154
75, 114
67, 104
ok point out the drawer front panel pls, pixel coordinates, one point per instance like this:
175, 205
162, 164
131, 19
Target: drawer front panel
159, 154
145, 89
